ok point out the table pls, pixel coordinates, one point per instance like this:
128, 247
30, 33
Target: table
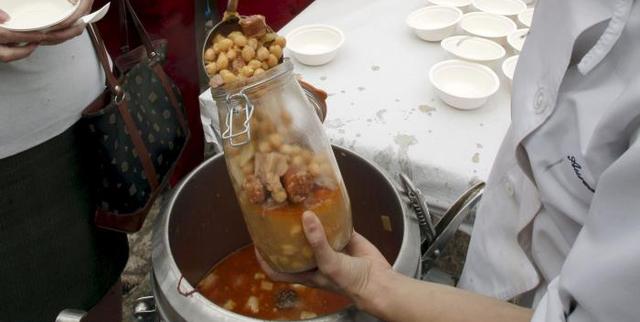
382, 105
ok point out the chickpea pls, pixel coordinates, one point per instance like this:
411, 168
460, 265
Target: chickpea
265, 66
247, 169
326, 169
269, 37
234, 34
298, 161
280, 41
222, 62
228, 76
253, 43
314, 169
211, 69
258, 71
209, 54
240, 41
216, 48
280, 196
286, 149
272, 60
276, 140
248, 53
255, 64
231, 54
225, 44
276, 50
264, 147
262, 54
246, 71
307, 155
296, 149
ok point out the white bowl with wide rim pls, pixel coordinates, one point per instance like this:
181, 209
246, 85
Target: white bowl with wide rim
526, 17
517, 38
434, 23
509, 67
462, 84
315, 45
488, 25
460, 4
509, 8
474, 49
34, 15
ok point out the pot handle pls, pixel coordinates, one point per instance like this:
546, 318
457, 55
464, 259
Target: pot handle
450, 222
144, 309
317, 97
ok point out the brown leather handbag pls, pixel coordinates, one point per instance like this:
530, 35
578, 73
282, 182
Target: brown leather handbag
137, 128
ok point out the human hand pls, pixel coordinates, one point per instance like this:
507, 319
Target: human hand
349, 273
70, 27
10, 49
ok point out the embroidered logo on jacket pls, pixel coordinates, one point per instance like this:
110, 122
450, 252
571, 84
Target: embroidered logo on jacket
577, 169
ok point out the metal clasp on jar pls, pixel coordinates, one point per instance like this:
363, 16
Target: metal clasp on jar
242, 136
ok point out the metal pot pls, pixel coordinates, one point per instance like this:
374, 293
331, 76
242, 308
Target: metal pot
202, 223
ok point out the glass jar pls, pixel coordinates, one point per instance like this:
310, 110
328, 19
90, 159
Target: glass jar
281, 165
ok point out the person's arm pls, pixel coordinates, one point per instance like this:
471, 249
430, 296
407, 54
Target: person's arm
363, 274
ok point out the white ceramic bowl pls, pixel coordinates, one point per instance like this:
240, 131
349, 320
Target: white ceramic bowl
32, 15
488, 25
526, 17
463, 85
509, 67
517, 38
473, 49
460, 4
500, 7
434, 23
315, 45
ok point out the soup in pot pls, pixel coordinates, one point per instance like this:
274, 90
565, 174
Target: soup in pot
238, 284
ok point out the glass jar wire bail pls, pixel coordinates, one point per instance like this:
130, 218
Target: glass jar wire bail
244, 107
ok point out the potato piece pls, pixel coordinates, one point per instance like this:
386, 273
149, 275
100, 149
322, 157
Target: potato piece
248, 53
209, 54
266, 286
307, 315
253, 304
262, 54
276, 50
229, 305
259, 276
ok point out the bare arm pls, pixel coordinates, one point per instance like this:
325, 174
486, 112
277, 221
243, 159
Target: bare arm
363, 274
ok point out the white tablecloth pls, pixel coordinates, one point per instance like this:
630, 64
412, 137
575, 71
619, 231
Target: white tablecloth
382, 105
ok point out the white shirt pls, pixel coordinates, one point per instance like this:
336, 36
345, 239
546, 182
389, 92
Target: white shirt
44, 94
560, 218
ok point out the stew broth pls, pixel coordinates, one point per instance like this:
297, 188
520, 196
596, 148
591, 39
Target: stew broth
238, 284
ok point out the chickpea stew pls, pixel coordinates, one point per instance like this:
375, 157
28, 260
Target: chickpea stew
238, 284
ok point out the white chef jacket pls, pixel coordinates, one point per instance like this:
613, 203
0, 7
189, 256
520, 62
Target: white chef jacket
560, 217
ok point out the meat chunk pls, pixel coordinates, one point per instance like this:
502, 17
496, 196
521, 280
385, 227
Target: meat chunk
255, 189
254, 26
298, 184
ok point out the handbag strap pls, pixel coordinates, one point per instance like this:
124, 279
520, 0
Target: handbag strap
123, 108
127, 12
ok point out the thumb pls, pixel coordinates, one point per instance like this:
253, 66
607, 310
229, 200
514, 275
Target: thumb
326, 258
4, 17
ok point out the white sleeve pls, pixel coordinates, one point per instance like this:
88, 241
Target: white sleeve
600, 279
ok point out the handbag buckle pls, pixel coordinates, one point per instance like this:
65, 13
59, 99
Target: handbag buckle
242, 136
119, 95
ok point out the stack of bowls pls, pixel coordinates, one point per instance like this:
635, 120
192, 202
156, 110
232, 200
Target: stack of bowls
479, 34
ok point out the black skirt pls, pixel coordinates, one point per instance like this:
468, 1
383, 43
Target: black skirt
52, 257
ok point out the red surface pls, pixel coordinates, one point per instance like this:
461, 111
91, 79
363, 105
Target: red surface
174, 21
277, 12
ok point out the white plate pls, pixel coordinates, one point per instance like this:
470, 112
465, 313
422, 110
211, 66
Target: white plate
473, 48
517, 38
434, 23
454, 3
463, 84
488, 25
500, 7
509, 67
30, 15
525, 17
315, 45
